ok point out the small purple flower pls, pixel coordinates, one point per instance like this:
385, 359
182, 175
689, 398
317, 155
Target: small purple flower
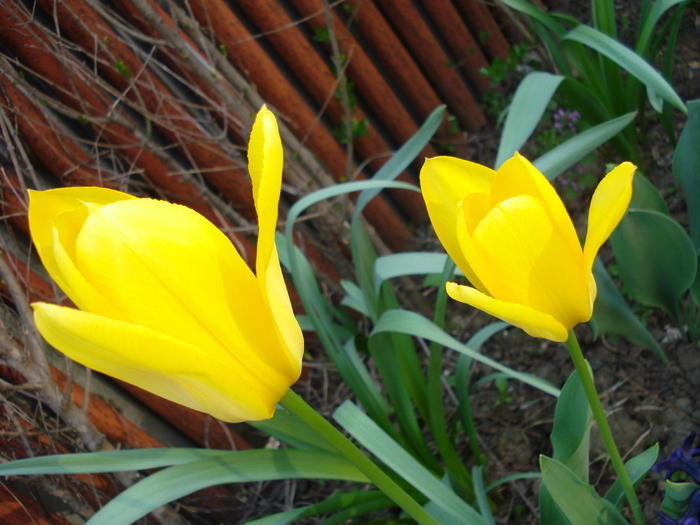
682, 460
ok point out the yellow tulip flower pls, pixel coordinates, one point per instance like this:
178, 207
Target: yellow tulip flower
509, 232
166, 302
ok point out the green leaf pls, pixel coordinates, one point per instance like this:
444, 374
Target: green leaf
572, 427
529, 104
536, 13
628, 60
408, 263
577, 500
570, 439
561, 158
677, 497
291, 430
686, 167
481, 498
354, 299
647, 30
645, 196
370, 436
114, 461
243, 466
412, 323
405, 155
355, 502
513, 477
612, 315
319, 312
637, 468
656, 258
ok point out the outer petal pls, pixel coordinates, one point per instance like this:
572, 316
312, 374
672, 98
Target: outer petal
265, 163
608, 206
167, 268
45, 208
535, 323
445, 181
517, 176
521, 258
161, 364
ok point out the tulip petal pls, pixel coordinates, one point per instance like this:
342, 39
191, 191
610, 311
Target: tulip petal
535, 323
45, 209
445, 181
265, 163
166, 366
517, 176
608, 206
168, 268
521, 258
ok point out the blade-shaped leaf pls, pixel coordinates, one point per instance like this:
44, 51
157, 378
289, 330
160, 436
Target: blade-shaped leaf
561, 158
656, 258
412, 323
529, 104
368, 433
570, 439
410, 263
637, 468
247, 465
628, 60
577, 500
612, 315
686, 167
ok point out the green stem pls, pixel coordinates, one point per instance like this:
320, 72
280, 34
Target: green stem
297, 406
603, 427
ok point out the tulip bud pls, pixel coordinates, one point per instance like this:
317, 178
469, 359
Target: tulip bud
165, 300
509, 232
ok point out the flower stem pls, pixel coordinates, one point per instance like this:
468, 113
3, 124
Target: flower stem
297, 406
602, 422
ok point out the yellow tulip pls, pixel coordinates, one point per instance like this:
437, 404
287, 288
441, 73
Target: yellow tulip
166, 302
509, 232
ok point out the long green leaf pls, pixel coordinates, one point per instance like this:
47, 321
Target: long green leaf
570, 439
627, 60
612, 315
536, 13
408, 263
114, 461
686, 167
637, 468
561, 158
529, 104
412, 323
291, 430
319, 312
370, 436
403, 157
334, 503
577, 500
657, 260
648, 28
243, 466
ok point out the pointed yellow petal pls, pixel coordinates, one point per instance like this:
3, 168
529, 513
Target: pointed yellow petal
167, 268
521, 258
535, 323
161, 364
517, 176
45, 209
265, 162
445, 181
608, 206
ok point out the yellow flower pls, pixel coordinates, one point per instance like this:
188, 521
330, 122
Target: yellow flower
166, 302
509, 232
